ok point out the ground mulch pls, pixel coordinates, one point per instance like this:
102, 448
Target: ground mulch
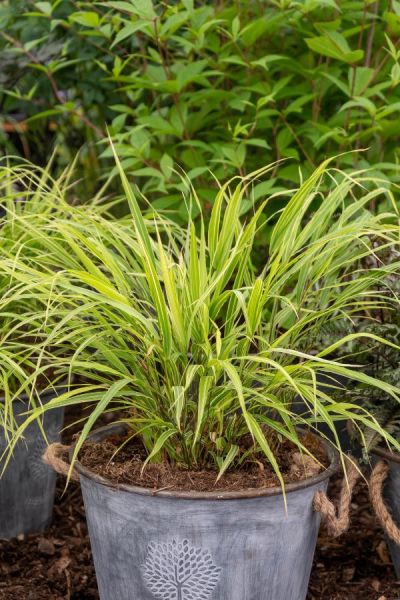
57, 565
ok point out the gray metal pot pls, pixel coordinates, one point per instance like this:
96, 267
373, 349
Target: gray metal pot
27, 486
201, 546
392, 498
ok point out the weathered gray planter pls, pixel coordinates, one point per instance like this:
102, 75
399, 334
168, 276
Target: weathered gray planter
392, 498
27, 486
201, 546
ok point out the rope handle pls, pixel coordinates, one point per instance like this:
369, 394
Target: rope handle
336, 520
53, 457
378, 478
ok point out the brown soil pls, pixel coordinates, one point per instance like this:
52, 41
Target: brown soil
121, 460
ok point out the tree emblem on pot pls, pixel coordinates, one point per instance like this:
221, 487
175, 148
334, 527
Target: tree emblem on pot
178, 571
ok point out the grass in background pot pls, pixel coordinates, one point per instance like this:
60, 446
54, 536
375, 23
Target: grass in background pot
29, 200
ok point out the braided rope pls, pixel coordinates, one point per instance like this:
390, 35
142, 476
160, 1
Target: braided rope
337, 519
52, 457
378, 478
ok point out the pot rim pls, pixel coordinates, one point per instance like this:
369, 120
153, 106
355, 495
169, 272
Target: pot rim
102, 432
387, 454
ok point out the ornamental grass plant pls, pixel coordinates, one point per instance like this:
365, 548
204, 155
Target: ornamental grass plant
177, 328
31, 200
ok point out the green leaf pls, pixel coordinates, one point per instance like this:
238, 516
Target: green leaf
174, 305
228, 460
143, 9
179, 402
128, 30
122, 6
190, 72
87, 19
334, 45
361, 102
166, 165
148, 257
395, 74
258, 27
235, 27
188, 4
99, 409
44, 7
265, 447
359, 79
204, 388
158, 445
393, 22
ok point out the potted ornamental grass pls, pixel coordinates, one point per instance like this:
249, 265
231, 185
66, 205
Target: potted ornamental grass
30, 201
27, 486
203, 485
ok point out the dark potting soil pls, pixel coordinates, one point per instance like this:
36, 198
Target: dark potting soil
121, 460
57, 565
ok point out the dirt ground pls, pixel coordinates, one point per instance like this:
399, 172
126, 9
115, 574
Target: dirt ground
58, 564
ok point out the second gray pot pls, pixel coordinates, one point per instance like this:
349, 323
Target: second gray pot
27, 486
392, 498
201, 546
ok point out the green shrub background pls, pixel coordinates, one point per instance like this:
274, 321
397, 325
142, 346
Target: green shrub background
205, 88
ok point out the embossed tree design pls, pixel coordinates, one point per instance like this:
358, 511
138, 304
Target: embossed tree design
178, 571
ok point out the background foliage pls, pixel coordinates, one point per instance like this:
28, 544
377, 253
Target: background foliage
226, 86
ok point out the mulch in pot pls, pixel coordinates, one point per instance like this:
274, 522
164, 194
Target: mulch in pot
121, 458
